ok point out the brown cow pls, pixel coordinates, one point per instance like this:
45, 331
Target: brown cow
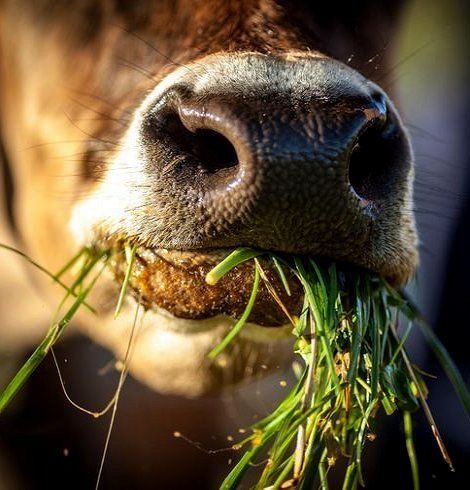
190, 127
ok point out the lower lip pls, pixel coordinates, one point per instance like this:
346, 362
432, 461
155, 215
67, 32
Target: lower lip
175, 281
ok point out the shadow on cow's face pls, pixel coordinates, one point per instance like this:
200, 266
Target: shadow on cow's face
215, 124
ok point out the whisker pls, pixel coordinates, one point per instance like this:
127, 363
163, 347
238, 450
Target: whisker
152, 47
102, 100
99, 113
417, 131
86, 133
138, 69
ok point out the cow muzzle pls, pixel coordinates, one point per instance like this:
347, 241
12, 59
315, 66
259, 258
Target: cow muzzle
297, 154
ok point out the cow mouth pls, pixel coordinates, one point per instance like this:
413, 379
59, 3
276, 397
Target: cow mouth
175, 281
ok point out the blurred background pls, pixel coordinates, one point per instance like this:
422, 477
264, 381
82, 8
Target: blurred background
46, 443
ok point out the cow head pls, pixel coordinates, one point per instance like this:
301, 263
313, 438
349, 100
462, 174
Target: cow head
194, 127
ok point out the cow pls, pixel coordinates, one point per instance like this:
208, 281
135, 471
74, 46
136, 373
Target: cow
192, 127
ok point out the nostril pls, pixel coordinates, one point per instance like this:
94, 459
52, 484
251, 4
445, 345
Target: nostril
210, 150
374, 161
214, 151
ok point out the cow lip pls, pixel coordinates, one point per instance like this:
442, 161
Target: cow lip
174, 281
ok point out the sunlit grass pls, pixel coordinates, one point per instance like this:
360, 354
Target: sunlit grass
79, 290
355, 367
86, 263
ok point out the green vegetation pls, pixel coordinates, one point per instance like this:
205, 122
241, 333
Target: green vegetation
78, 292
354, 367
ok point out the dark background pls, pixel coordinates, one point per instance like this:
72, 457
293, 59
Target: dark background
46, 443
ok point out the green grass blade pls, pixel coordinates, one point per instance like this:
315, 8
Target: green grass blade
442, 355
55, 278
376, 360
311, 468
87, 267
241, 322
408, 426
235, 258
28, 368
130, 257
402, 342
303, 276
281, 274
70, 263
360, 440
351, 477
332, 294
320, 278
42, 350
448, 365
356, 344
283, 475
322, 472
234, 477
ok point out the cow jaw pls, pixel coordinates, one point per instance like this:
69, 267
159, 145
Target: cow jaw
170, 354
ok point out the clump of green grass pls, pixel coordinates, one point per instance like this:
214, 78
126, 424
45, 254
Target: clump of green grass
354, 365
84, 265
86, 261
87, 266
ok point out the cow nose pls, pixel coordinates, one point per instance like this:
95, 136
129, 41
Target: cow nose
295, 159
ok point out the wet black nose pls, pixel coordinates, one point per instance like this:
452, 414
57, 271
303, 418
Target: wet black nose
293, 158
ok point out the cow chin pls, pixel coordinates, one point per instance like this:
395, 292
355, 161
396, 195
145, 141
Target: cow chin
170, 354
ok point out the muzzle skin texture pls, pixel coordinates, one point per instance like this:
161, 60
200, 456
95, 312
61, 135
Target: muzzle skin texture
190, 128
298, 154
